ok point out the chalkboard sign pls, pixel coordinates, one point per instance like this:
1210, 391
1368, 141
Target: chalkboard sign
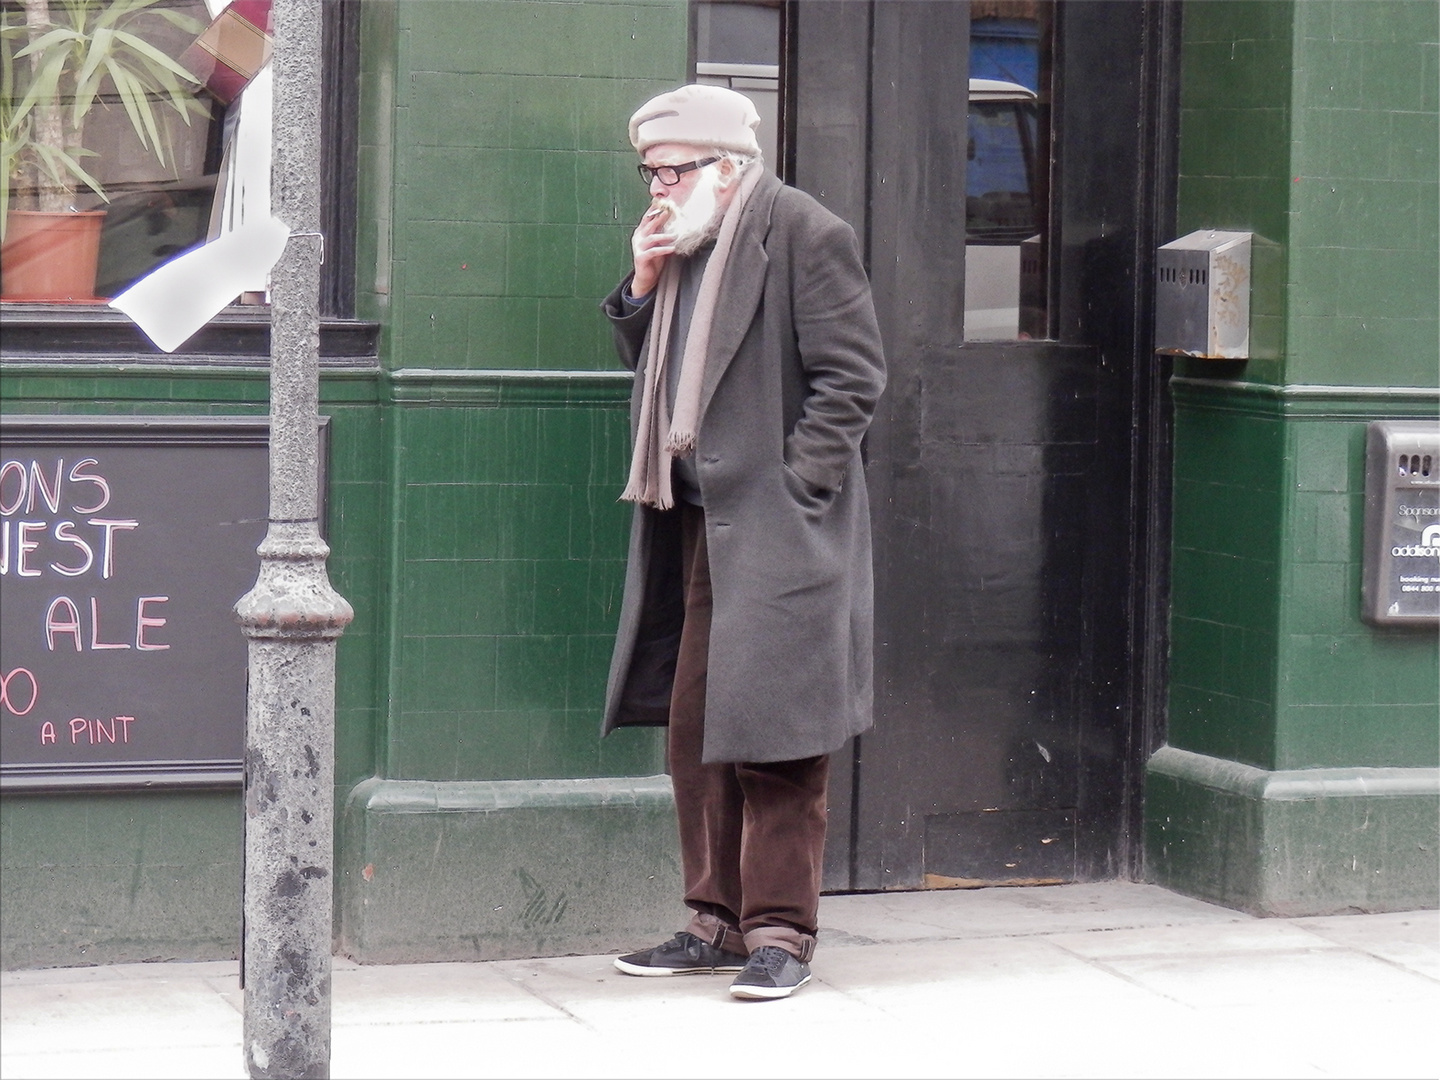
126, 542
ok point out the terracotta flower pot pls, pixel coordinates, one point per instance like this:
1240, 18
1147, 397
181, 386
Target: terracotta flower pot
50, 256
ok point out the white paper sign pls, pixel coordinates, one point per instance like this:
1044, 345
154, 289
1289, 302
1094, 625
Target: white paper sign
176, 299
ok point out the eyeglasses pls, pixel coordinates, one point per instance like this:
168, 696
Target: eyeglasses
669, 175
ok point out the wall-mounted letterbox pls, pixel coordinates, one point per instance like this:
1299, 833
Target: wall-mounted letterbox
1202, 295
1400, 585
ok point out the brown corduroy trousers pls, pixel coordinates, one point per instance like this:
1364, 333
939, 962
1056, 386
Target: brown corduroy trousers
752, 834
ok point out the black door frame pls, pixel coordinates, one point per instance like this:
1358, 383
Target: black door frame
871, 138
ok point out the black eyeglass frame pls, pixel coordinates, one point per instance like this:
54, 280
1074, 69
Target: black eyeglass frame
649, 172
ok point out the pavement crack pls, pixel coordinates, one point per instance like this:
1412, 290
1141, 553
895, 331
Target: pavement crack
540, 995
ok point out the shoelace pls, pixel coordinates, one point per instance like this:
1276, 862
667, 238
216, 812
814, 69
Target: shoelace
772, 958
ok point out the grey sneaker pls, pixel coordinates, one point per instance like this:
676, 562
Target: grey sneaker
684, 954
770, 973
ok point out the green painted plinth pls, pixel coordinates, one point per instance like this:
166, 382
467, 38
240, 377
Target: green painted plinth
119, 877
1293, 842
489, 870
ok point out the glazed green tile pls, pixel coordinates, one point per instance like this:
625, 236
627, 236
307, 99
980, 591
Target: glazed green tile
565, 440
356, 657
544, 114
499, 745
587, 667
1318, 598
1382, 285
632, 752
521, 447
1390, 75
458, 673
423, 746
1320, 458
461, 109
504, 331
432, 445
602, 258
573, 336
1199, 584
1251, 594
1339, 528
530, 672
1414, 147
564, 600
1319, 669
1249, 659
560, 195
533, 520
595, 192
1405, 668
1196, 652
1339, 142
1350, 735
1226, 727
456, 258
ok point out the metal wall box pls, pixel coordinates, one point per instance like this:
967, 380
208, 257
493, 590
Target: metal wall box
1401, 581
1202, 295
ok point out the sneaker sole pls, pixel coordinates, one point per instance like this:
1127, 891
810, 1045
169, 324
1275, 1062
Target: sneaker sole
659, 972
766, 993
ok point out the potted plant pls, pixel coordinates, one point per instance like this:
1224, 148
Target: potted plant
62, 61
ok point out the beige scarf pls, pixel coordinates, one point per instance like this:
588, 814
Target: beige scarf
660, 438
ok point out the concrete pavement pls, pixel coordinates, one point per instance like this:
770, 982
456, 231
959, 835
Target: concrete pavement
1104, 980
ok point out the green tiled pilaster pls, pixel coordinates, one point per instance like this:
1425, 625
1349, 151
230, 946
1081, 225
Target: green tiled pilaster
1314, 124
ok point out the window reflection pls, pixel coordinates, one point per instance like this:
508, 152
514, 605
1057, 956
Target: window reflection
1007, 171
115, 119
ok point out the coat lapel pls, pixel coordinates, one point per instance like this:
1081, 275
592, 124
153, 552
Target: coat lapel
742, 288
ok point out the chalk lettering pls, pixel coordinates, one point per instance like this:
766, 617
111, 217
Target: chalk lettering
24, 546
5, 548
56, 625
29, 484
16, 471
51, 494
47, 733
95, 642
65, 531
111, 527
87, 478
96, 731
143, 620
8, 683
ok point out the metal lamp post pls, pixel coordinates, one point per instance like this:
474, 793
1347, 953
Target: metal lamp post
292, 617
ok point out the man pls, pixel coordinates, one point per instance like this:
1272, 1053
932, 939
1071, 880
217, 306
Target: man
746, 624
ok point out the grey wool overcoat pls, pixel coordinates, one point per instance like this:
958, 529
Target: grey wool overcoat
792, 378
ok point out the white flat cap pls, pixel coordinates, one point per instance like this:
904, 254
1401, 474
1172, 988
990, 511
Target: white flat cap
699, 115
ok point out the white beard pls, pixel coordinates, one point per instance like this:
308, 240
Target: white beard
697, 222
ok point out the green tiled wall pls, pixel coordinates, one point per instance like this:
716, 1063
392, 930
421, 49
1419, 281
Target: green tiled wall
511, 184
1365, 194
1226, 567
511, 549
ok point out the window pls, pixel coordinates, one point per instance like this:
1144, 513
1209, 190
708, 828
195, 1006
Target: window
738, 44
1007, 183
106, 129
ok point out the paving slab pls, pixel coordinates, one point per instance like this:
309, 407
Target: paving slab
1106, 980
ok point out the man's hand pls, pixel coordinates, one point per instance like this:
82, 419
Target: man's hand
651, 246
